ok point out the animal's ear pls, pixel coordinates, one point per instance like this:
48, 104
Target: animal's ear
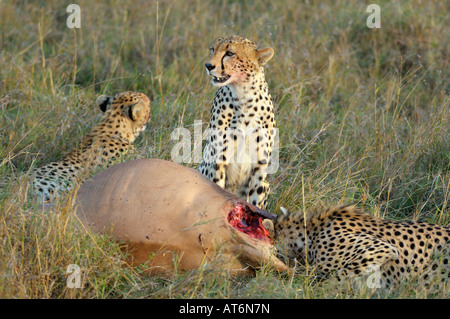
283, 210
103, 102
264, 55
268, 224
136, 111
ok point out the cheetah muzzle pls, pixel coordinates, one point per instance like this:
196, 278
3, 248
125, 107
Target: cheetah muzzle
220, 80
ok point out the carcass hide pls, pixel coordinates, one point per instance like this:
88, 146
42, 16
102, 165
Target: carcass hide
167, 213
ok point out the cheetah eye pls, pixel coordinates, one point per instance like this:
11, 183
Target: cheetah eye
211, 50
229, 53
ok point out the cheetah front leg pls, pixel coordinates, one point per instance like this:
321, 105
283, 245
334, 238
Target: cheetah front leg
259, 187
213, 167
214, 172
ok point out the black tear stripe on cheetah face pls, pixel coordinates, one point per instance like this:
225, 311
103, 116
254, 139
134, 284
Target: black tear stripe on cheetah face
348, 242
125, 117
242, 125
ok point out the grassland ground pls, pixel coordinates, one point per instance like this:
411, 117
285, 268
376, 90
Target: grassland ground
363, 116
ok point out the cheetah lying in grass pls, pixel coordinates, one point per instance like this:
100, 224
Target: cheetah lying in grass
347, 241
125, 116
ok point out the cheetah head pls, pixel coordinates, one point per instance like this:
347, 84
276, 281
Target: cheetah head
288, 232
130, 107
235, 60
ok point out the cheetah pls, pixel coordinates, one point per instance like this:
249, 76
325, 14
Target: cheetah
125, 117
349, 242
242, 125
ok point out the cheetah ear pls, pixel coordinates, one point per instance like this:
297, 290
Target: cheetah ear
268, 224
283, 211
136, 111
264, 55
103, 102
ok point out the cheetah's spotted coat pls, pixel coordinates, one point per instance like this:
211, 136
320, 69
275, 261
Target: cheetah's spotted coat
242, 123
125, 116
347, 241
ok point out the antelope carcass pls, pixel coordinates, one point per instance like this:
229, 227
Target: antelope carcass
172, 216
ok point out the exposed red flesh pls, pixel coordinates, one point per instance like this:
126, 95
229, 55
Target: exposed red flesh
248, 222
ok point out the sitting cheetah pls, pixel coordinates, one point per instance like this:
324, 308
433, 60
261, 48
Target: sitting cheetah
348, 241
242, 125
125, 116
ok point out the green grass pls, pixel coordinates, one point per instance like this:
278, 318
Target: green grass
363, 117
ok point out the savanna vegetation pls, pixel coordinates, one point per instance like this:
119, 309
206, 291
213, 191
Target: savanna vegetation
363, 116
